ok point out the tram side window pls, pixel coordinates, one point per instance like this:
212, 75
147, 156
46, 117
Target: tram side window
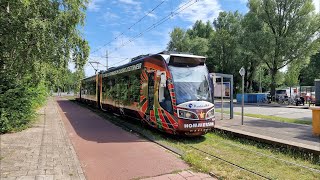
134, 87
166, 101
112, 89
92, 88
137, 88
104, 85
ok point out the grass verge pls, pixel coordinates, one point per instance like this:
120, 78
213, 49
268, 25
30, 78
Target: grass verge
272, 118
274, 162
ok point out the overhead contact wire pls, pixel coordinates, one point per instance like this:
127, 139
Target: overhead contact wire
122, 33
161, 21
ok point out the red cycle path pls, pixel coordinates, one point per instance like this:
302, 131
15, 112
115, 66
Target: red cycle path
106, 151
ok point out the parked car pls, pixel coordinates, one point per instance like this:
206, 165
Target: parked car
281, 94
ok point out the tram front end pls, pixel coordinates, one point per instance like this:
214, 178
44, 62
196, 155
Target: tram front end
192, 87
195, 117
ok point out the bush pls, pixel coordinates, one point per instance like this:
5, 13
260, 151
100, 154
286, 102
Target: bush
18, 106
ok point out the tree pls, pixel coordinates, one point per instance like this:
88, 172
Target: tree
289, 32
199, 29
178, 40
293, 73
224, 54
310, 72
194, 40
37, 40
251, 36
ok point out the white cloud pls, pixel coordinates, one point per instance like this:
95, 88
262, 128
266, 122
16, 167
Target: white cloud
202, 10
131, 2
152, 15
94, 5
130, 6
317, 5
110, 17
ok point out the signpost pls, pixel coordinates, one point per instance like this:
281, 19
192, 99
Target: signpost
242, 72
221, 98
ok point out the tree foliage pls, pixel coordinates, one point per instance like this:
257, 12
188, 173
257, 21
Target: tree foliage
289, 32
194, 40
225, 54
38, 38
310, 72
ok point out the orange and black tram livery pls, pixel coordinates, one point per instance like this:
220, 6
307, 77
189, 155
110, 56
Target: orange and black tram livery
169, 91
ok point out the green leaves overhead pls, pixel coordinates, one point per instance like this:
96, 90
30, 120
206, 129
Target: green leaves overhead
38, 38
289, 32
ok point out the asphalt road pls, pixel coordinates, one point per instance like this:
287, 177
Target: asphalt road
293, 113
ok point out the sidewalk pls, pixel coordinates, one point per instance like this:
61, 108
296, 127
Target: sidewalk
235, 103
306, 106
43, 151
293, 135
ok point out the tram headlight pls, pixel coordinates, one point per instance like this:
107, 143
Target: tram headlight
210, 114
187, 115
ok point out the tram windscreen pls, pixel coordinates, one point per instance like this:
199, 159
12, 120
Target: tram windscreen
190, 83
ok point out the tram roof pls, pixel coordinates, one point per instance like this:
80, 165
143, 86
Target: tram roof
165, 55
89, 78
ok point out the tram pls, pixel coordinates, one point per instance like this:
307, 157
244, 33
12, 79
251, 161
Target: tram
171, 92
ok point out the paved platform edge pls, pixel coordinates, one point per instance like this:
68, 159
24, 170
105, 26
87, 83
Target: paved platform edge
74, 154
271, 140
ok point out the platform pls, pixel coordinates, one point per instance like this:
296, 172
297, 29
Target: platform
293, 135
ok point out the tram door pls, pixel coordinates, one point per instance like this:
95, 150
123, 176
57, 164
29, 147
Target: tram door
150, 92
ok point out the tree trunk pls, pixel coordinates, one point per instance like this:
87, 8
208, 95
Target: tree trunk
273, 82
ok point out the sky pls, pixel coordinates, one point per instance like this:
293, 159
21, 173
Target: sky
128, 28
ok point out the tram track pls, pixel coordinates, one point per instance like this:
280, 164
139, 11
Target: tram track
139, 131
131, 128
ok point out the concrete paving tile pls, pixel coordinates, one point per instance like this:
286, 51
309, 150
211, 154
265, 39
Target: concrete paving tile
44, 177
176, 177
19, 173
27, 178
193, 178
8, 178
202, 175
186, 174
82, 177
